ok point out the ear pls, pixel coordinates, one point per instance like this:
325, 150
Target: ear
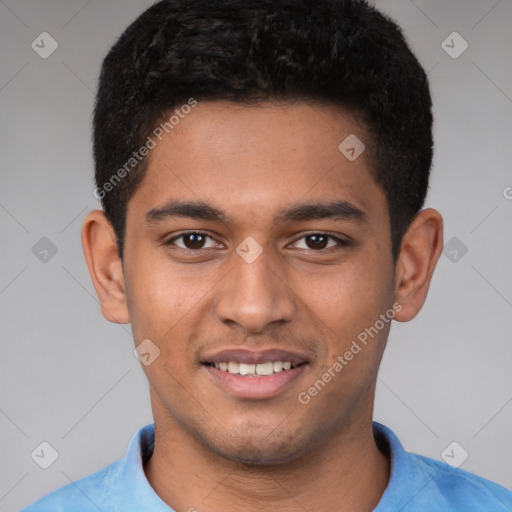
421, 248
105, 266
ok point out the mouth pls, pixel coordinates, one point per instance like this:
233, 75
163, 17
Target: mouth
255, 375
254, 370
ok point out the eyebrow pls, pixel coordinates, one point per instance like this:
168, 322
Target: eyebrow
335, 210
190, 209
200, 210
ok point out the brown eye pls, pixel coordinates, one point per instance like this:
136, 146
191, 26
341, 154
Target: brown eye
317, 241
320, 241
192, 241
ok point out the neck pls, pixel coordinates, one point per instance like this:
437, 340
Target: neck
347, 472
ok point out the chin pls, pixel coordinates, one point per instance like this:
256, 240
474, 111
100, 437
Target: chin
259, 448
255, 456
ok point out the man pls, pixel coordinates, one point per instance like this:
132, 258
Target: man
262, 167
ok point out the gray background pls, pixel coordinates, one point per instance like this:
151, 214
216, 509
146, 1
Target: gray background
69, 377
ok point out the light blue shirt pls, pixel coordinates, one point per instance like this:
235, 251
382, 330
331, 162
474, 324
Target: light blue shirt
417, 484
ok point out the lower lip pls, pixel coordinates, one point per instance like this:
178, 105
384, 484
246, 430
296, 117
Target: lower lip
255, 387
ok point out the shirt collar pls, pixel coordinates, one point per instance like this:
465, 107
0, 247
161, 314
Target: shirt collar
407, 477
137, 493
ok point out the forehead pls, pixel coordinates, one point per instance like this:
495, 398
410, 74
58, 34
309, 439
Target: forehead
253, 159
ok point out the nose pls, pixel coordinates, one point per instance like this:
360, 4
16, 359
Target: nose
255, 295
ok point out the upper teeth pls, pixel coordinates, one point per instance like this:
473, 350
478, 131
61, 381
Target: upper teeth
253, 369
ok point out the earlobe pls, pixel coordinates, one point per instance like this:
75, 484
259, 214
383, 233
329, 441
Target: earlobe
105, 266
420, 251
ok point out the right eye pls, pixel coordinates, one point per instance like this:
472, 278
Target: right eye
191, 241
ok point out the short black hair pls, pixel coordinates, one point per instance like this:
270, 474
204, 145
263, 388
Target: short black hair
336, 52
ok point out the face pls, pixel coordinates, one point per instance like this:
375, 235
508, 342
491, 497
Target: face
256, 253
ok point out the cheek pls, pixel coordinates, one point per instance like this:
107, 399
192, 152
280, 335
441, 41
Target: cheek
162, 311
168, 306
349, 299
157, 299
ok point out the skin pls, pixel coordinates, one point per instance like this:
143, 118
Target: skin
215, 451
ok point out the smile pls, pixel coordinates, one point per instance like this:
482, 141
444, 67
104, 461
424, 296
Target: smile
250, 374
254, 370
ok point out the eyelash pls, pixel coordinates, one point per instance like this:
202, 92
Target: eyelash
339, 241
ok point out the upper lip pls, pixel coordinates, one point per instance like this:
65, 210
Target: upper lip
254, 356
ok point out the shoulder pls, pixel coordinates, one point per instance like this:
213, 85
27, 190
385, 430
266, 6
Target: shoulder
457, 489
89, 494
419, 483
119, 486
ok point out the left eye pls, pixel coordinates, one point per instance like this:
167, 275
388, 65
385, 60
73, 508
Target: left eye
192, 241
319, 241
